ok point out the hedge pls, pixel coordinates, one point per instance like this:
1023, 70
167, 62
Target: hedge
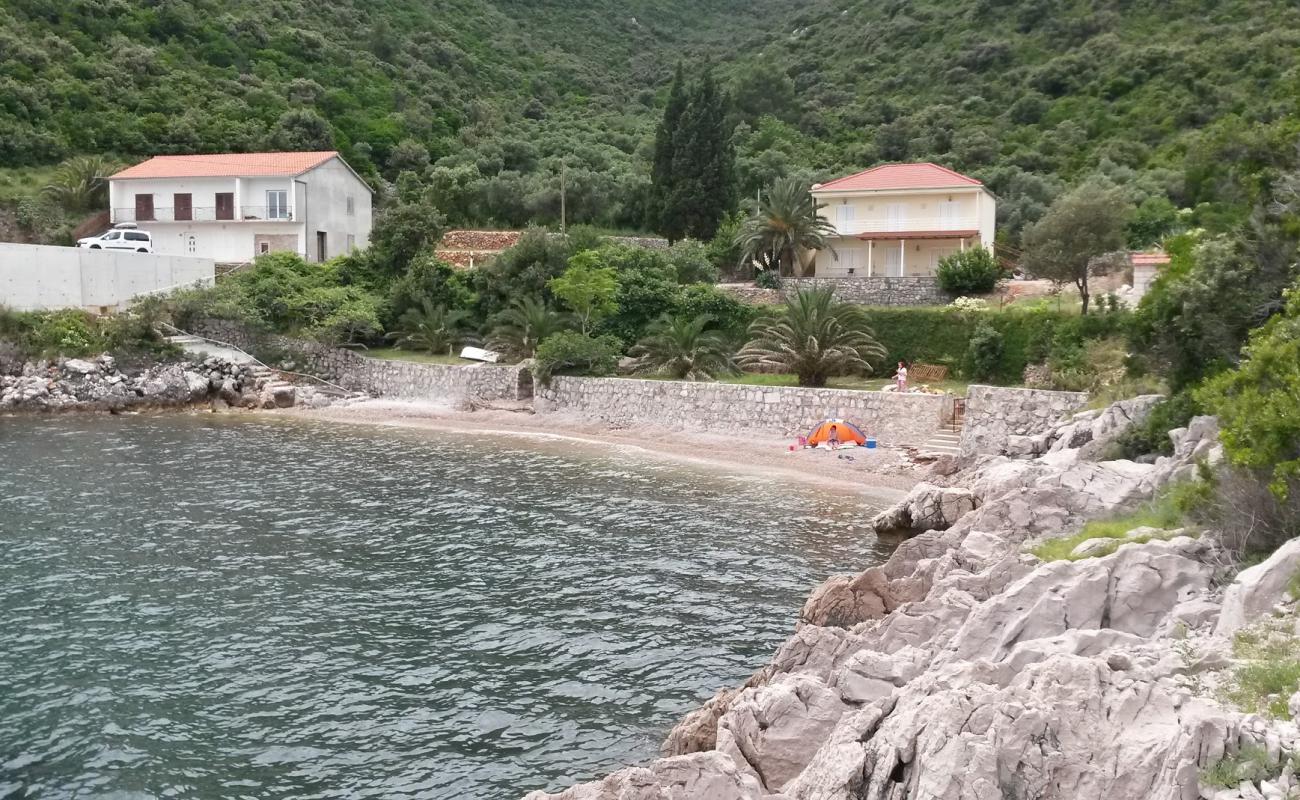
941, 336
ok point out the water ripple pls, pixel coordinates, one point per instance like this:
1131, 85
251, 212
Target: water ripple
197, 607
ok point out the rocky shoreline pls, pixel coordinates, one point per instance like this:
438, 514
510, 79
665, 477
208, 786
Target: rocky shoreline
967, 668
102, 385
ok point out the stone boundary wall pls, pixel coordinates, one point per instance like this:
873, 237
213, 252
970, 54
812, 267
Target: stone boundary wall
894, 419
876, 290
398, 380
995, 412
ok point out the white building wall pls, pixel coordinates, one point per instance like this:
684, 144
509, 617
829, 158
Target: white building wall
328, 188
40, 277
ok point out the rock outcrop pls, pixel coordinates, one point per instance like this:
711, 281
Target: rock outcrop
964, 668
100, 384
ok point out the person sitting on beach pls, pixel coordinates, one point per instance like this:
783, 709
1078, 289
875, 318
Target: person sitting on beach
901, 377
833, 440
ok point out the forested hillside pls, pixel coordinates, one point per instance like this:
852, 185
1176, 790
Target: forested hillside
485, 100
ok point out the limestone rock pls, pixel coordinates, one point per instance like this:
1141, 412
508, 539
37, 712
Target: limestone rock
700, 775
77, 366
926, 507
1254, 591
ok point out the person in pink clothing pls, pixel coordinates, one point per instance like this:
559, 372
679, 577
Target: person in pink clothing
901, 377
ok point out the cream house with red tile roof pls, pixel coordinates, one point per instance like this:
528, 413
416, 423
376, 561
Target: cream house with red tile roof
231, 207
898, 220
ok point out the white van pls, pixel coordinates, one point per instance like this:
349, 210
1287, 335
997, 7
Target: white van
121, 237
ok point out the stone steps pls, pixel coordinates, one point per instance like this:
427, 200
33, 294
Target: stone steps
946, 442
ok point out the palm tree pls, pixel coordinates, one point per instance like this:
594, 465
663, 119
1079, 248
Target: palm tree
814, 337
434, 329
785, 225
682, 348
80, 184
523, 326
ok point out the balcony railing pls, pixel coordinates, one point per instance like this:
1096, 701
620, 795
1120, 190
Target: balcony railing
207, 214
906, 225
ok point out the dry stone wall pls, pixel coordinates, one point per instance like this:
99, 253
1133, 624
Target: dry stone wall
892, 418
876, 290
994, 413
399, 380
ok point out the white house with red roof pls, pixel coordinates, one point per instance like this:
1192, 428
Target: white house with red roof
231, 207
898, 220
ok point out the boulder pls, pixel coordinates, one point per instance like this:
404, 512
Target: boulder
77, 366
926, 507
1254, 592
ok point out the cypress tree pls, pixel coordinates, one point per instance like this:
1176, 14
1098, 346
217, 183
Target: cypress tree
662, 178
703, 166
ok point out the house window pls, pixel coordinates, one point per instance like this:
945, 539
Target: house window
143, 207
277, 204
263, 248
352, 242
352, 206
844, 213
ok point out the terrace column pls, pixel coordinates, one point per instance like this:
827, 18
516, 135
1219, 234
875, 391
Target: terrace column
871, 249
963, 244
902, 257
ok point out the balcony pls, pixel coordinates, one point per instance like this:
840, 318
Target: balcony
206, 214
909, 227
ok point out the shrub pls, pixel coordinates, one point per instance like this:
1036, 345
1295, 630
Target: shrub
972, 271
1151, 435
985, 352
1258, 403
730, 316
428, 279
691, 263
767, 279
572, 353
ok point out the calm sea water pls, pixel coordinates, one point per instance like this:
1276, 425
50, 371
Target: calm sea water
201, 607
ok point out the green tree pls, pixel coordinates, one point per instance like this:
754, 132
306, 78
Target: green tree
972, 271
403, 231
704, 165
434, 329
814, 337
301, 129
588, 288
573, 353
1258, 403
787, 223
1077, 235
663, 180
684, 348
80, 184
524, 325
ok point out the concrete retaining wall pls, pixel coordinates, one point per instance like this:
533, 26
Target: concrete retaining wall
995, 412
891, 418
40, 277
448, 384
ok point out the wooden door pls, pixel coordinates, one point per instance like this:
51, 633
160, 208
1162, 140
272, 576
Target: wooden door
143, 207
183, 207
225, 205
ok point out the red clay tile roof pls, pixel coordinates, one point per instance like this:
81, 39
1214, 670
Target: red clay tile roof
1152, 259
900, 176
227, 165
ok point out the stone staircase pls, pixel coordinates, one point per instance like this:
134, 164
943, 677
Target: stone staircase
947, 440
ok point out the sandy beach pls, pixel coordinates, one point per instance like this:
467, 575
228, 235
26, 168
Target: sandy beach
883, 474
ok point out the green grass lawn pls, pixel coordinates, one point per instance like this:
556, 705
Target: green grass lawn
393, 354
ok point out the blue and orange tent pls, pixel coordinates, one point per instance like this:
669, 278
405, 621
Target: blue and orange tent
844, 433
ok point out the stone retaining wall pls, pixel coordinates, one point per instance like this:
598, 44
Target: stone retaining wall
864, 291
995, 412
399, 380
876, 290
892, 418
